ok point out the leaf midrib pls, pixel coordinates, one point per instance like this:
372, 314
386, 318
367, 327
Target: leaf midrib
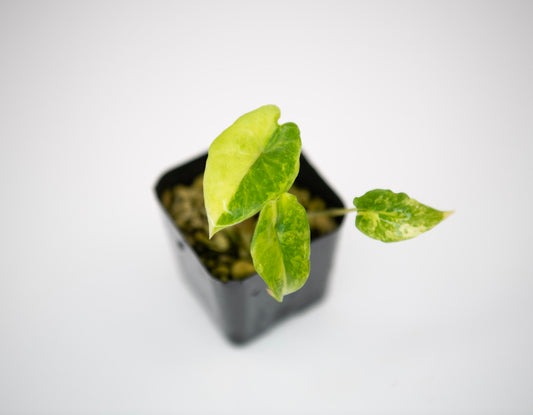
283, 267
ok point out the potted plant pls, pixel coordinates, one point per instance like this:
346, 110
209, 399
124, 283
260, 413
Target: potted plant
258, 203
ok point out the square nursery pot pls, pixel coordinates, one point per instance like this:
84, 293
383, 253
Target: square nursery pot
242, 308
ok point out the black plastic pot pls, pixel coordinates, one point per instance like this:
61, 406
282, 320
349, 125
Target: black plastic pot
243, 309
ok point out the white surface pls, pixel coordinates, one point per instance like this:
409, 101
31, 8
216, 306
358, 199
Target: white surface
98, 98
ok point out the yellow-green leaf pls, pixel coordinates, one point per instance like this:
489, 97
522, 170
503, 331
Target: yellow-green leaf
392, 217
281, 246
252, 162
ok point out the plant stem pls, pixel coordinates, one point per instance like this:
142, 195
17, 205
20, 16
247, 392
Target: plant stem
330, 212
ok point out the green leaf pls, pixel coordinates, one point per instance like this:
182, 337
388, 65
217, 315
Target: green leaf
281, 246
252, 162
392, 217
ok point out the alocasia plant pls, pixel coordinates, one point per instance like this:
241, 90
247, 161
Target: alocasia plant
251, 166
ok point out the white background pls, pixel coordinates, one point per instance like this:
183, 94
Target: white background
431, 98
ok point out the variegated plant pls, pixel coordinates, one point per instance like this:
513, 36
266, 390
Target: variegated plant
250, 168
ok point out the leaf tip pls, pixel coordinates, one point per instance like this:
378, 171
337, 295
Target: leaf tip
447, 214
278, 299
213, 230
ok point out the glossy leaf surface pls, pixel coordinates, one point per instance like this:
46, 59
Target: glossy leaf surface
252, 162
281, 246
392, 217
